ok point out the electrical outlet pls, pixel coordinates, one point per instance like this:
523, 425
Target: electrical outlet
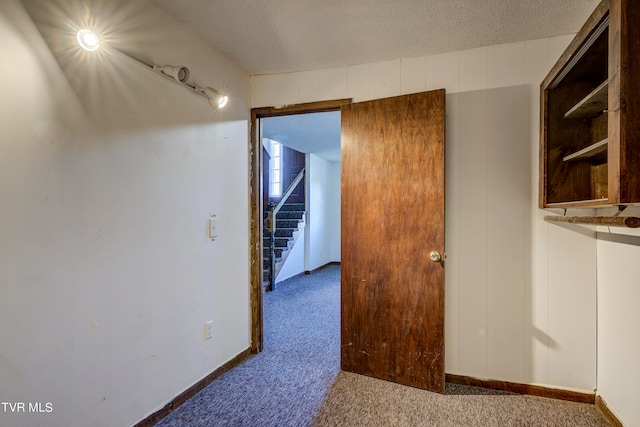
208, 330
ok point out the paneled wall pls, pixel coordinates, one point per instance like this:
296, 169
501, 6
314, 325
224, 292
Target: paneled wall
619, 319
520, 294
324, 213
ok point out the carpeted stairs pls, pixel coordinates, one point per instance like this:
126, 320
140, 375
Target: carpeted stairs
289, 223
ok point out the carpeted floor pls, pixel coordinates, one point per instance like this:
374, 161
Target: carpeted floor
286, 384
355, 400
296, 380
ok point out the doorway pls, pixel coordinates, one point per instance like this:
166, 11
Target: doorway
257, 199
301, 181
392, 184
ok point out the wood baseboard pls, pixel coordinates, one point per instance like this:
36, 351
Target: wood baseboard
154, 418
322, 266
533, 390
606, 412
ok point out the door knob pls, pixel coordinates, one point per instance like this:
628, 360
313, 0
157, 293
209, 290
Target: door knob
435, 256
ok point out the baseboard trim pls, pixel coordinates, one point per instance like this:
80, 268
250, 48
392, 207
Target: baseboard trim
533, 390
154, 418
322, 266
606, 412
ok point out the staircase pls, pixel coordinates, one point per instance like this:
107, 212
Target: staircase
290, 222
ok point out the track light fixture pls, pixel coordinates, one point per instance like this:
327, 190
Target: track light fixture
180, 73
89, 41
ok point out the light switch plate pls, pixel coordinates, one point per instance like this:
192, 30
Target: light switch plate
208, 330
213, 227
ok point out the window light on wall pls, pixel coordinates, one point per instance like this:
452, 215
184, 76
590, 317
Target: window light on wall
275, 170
89, 41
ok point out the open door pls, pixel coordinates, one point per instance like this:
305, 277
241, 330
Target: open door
392, 289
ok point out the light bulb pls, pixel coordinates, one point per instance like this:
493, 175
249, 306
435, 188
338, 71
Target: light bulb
88, 40
216, 99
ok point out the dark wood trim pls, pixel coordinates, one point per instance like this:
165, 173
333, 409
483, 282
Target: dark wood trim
578, 41
255, 234
606, 412
322, 267
309, 107
193, 390
533, 390
255, 196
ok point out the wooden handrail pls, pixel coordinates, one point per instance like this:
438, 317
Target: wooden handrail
609, 221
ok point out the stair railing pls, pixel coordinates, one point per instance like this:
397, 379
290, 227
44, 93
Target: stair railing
270, 224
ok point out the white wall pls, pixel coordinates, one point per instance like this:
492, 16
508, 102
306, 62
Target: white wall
322, 232
294, 264
319, 244
108, 173
517, 308
618, 319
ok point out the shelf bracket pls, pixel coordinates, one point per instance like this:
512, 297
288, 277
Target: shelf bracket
621, 208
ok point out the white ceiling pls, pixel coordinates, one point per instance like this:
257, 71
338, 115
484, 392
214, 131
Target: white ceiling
277, 36
317, 133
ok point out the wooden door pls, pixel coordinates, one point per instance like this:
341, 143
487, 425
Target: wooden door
392, 308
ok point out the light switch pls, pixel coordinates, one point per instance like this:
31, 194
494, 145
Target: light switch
213, 227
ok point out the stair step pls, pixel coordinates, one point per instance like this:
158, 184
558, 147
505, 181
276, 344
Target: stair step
285, 232
287, 223
278, 251
292, 207
281, 233
290, 215
282, 242
279, 241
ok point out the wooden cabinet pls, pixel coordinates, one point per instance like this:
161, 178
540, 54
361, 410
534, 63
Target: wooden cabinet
590, 114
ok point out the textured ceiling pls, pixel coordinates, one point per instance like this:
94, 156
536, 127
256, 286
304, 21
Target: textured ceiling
277, 36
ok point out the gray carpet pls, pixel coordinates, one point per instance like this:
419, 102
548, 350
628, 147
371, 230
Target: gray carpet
296, 380
286, 384
356, 400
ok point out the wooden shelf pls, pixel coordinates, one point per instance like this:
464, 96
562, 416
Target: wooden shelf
590, 152
591, 105
593, 203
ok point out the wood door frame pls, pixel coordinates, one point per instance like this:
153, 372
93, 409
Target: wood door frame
255, 204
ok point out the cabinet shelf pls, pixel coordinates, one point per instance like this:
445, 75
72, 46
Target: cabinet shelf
591, 105
590, 145
593, 151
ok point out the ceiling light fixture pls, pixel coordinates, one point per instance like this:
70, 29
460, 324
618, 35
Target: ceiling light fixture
88, 40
